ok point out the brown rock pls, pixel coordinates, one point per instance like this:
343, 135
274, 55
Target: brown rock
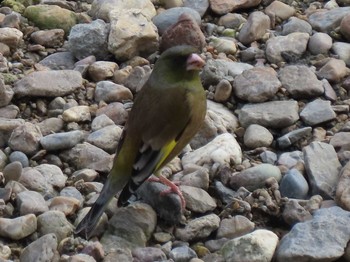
257, 25
342, 195
345, 27
222, 7
48, 38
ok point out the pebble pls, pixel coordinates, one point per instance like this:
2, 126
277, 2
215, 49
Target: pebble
197, 200
51, 125
344, 27
198, 178
257, 136
65, 204
86, 174
294, 185
294, 213
32, 135
223, 45
257, 246
293, 137
10, 36
258, 84
110, 92
101, 121
198, 228
61, 141
59, 61
322, 168
291, 159
342, 50
275, 114
295, 24
115, 111
342, 192
255, 28
223, 91
221, 7
234, 227
231, 20
320, 43
48, 38
317, 112
201, 6
255, 177
102, 70
106, 138
142, 254
268, 157
182, 253
334, 70
315, 239
31, 202
327, 20
12, 171
42, 249
19, 227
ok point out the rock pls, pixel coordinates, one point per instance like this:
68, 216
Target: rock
322, 168
257, 246
320, 43
48, 83
223, 45
20, 157
234, 227
258, 84
342, 191
59, 61
48, 38
344, 27
221, 7
279, 47
61, 141
275, 114
294, 213
67, 205
101, 121
300, 81
182, 253
148, 254
198, 178
54, 222
29, 133
295, 24
334, 70
137, 78
170, 16
291, 159
11, 37
201, 6
255, 177
327, 20
6, 93
51, 125
31, 202
294, 136
198, 228
223, 91
115, 111
51, 17
9, 111
185, 32
110, 92
224, 149
102, 70
317, 112
88, 156
279, 11
232, 20
315, 239
77, 114
106, 138
89, 39
257, 136
19, 227
197, 199
255, 28
294, 185
42, 249
12, 171
131, 34
342, 50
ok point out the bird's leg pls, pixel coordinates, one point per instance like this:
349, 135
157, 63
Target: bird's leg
173, 188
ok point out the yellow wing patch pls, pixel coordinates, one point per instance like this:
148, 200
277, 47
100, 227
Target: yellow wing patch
165, 151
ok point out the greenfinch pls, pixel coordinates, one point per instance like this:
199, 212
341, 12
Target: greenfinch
167, 112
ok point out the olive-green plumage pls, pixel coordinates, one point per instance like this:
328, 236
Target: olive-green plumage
167, 113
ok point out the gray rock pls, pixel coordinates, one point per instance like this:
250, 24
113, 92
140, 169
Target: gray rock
342, 50
9, 111
31, 202
86, 174
182, 254
300, 81
106, 138
59, 61
42, 249
197, 199
254, 177
275, 114
317, 112
61, 141
71, 191
198, 228
29, 133
51, 125
342, 192
102, 70
89, 39
340, 140
198, 178
48, 83
100, 122
19, 227
77, 114
294, 136
290, 159
295, 24
294, 213
20, 157
6, 93
234, 227
54, 222
268, 157
290, 46
257, 246
320, 43
88, 156
12, 171
223, 91
111, 92
294, 185
327, 20
315, 240
257, 136
322, 168
255, 28
201, 6
170, 16
258, 84
115, 111
148, 254
137, 78
334, 70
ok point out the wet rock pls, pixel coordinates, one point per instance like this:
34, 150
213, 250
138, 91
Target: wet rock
317, 112
275, 114
255, 28
322, 168
257, 136
61, 141
19, 227
258, 84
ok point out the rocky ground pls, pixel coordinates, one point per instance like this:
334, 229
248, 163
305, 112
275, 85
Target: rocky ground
266, 179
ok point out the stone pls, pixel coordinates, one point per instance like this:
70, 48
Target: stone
61, 141
11, 37
294, 185
257, 136
258, 84
295, 24
275, 114
44, 249
344, 27
293, 137
342, 192
65, 204
322, 168
51, 125
279, 11
19, 227
102, 70
327, 20
197, 199
232, 20
234, 227
182, 253
223, 91
48, 38
342, 50
294, 213
77, 114
334, 70
317, 112
110, 92
148, 254
6, 93
115, 111
320, 43
59, 61
31, 202
12, 171
106, 138
221, 7
29, 133
201, 6
255, 28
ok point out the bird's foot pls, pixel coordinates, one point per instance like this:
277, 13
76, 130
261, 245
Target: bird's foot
173, 188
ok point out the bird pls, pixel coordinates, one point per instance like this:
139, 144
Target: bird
167, 112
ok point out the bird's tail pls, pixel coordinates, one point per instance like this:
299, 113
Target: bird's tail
89, 222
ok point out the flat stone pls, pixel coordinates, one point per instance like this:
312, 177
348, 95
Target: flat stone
327, 20
317, 112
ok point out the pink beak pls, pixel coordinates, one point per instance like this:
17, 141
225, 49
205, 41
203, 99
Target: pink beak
194, 62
